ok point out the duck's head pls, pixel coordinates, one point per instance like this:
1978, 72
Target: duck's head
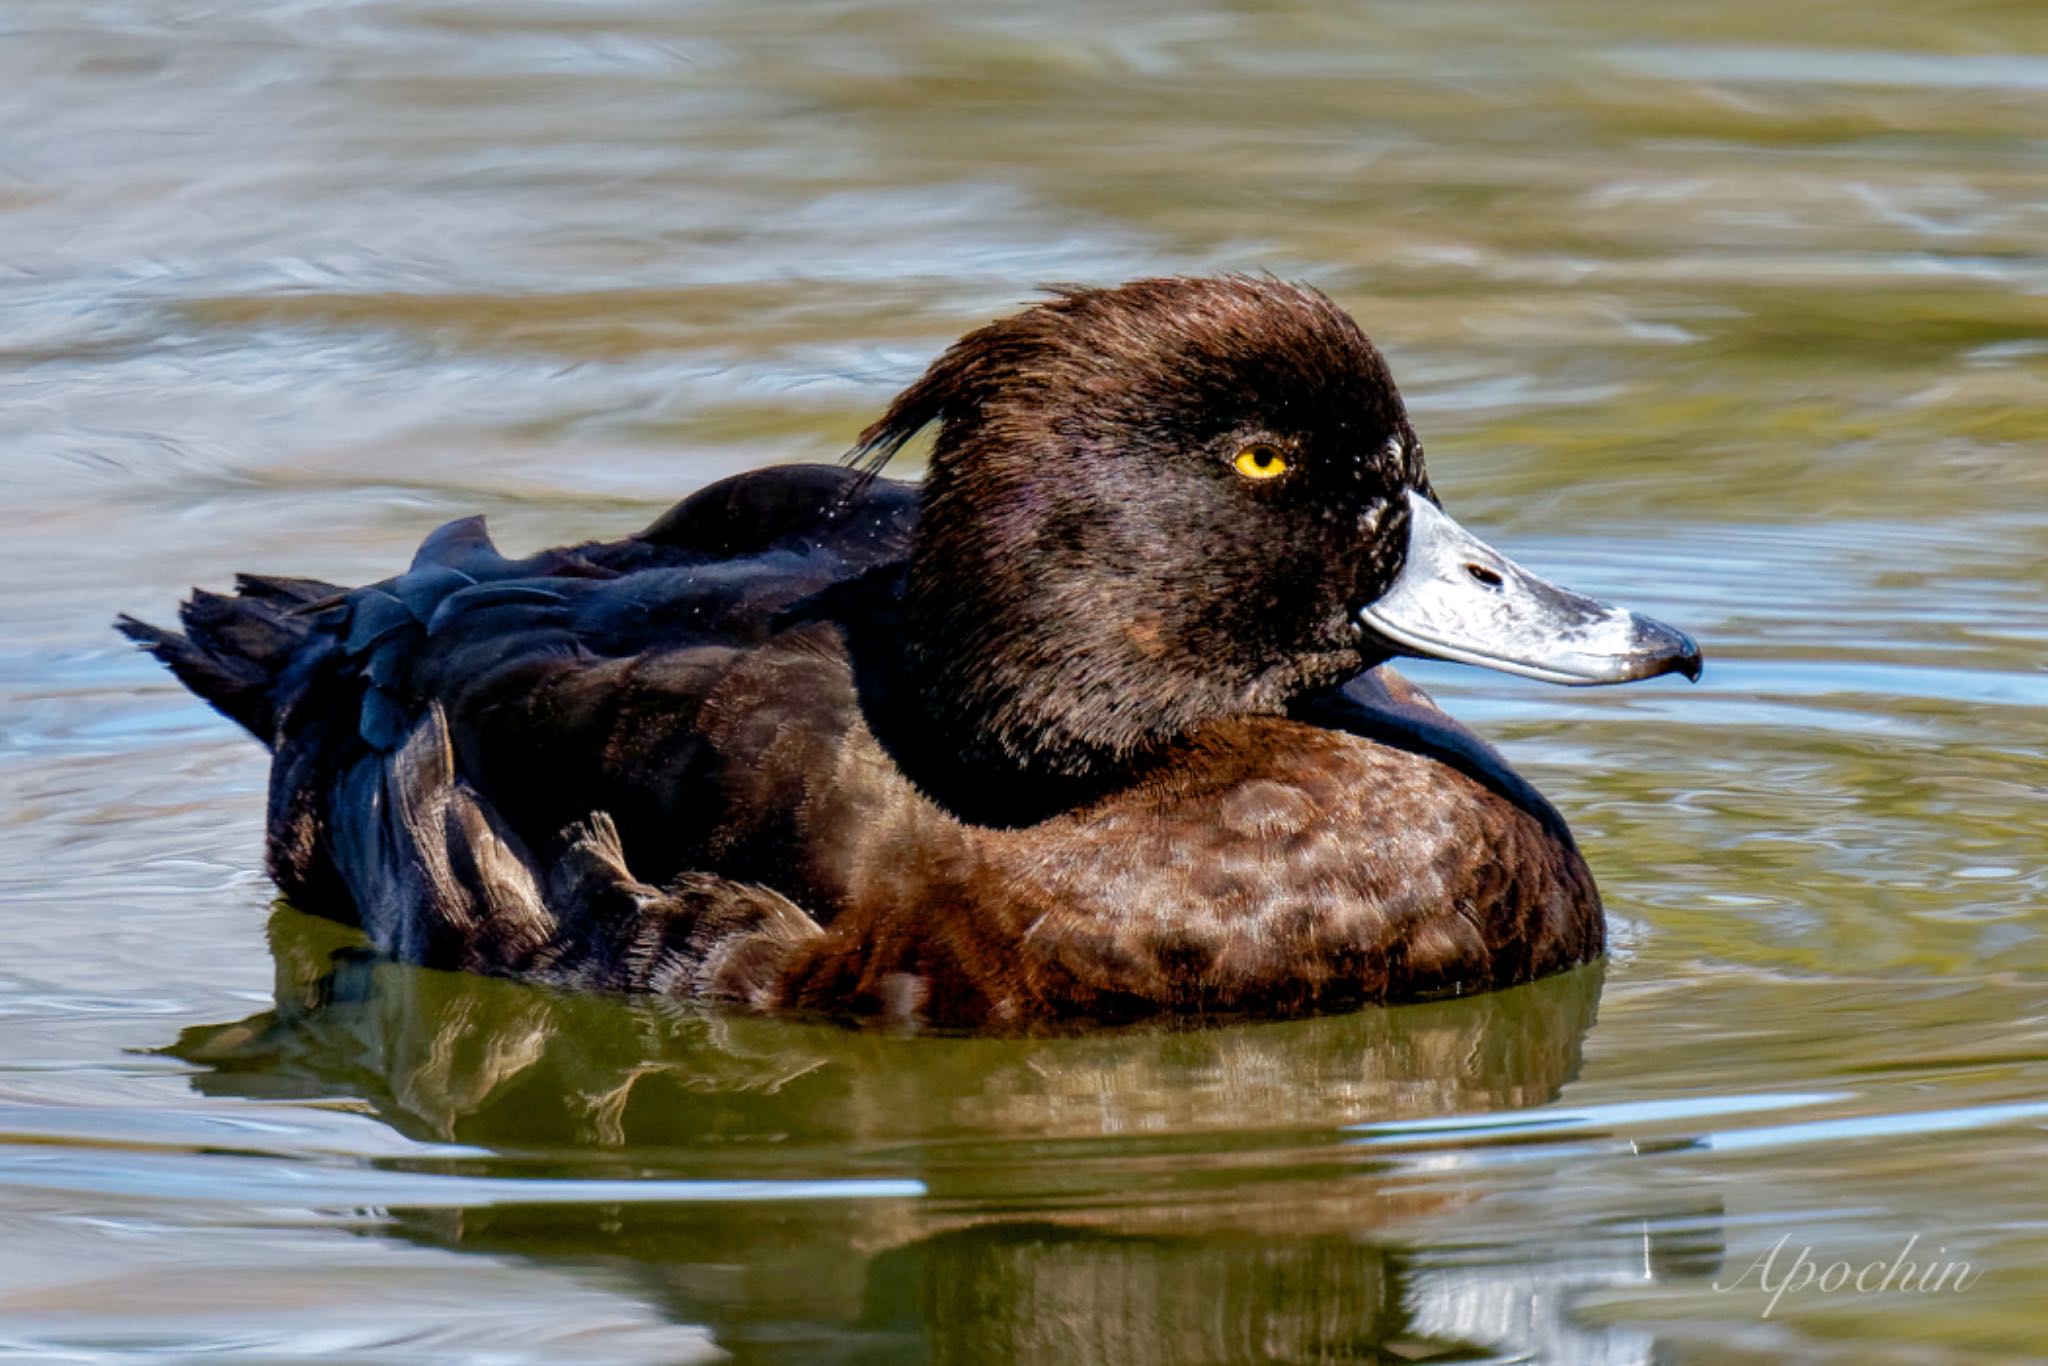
1181, 499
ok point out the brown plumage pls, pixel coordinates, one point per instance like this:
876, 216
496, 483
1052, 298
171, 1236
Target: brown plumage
1065, 733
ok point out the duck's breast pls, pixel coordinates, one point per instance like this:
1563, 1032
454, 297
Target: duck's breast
1276, 865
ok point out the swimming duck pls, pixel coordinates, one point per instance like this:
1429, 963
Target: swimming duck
1093, 723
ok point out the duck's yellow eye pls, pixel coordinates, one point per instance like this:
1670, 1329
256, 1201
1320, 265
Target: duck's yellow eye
1261, 462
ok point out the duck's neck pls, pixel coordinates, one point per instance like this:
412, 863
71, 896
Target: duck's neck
1009, 708
1007, 717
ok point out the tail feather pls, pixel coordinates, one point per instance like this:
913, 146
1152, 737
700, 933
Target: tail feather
289, 594
233, 648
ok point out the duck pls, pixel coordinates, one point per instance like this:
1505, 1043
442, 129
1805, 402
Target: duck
1094, 723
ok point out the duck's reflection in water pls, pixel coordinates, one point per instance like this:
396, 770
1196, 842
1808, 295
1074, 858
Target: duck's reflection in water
1134, 1196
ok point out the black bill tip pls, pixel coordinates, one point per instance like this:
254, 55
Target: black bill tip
1659, 649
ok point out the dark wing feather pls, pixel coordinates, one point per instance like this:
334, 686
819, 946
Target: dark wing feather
436, 732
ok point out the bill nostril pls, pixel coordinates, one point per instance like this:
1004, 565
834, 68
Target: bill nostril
1482, 575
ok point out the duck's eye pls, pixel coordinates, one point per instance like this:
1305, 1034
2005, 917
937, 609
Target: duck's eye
1261, 462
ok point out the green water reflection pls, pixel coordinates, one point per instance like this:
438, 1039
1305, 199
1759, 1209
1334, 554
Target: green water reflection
1142, 1195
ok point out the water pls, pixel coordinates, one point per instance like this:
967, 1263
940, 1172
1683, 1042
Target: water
1738, 313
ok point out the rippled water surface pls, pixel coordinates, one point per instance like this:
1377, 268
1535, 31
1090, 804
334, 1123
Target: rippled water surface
1737, 312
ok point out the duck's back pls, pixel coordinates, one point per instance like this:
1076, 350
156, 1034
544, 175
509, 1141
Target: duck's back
528, 693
